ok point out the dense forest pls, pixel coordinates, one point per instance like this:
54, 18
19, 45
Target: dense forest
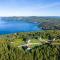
11, 49
42, 52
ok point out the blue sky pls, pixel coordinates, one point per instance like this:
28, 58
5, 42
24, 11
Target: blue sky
29, 7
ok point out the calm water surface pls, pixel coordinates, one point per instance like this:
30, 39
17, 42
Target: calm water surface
7, 27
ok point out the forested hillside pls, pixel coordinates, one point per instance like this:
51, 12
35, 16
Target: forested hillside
43, 45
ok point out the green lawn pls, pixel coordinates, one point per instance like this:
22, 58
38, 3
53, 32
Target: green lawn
34, 41
18, 42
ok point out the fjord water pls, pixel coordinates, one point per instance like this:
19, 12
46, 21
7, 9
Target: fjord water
7, 27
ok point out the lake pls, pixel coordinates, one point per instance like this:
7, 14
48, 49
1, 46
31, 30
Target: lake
7, 27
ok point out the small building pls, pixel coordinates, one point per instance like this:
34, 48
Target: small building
28, 48
54, 39
12, 42
28, 40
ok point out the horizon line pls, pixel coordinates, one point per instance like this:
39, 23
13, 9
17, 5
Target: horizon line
30, 16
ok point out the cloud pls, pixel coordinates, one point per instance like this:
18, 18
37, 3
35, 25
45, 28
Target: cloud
57, 4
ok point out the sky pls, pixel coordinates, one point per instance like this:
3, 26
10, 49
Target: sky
29, 7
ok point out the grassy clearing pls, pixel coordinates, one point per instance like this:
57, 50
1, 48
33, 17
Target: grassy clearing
34, 41
18, 42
